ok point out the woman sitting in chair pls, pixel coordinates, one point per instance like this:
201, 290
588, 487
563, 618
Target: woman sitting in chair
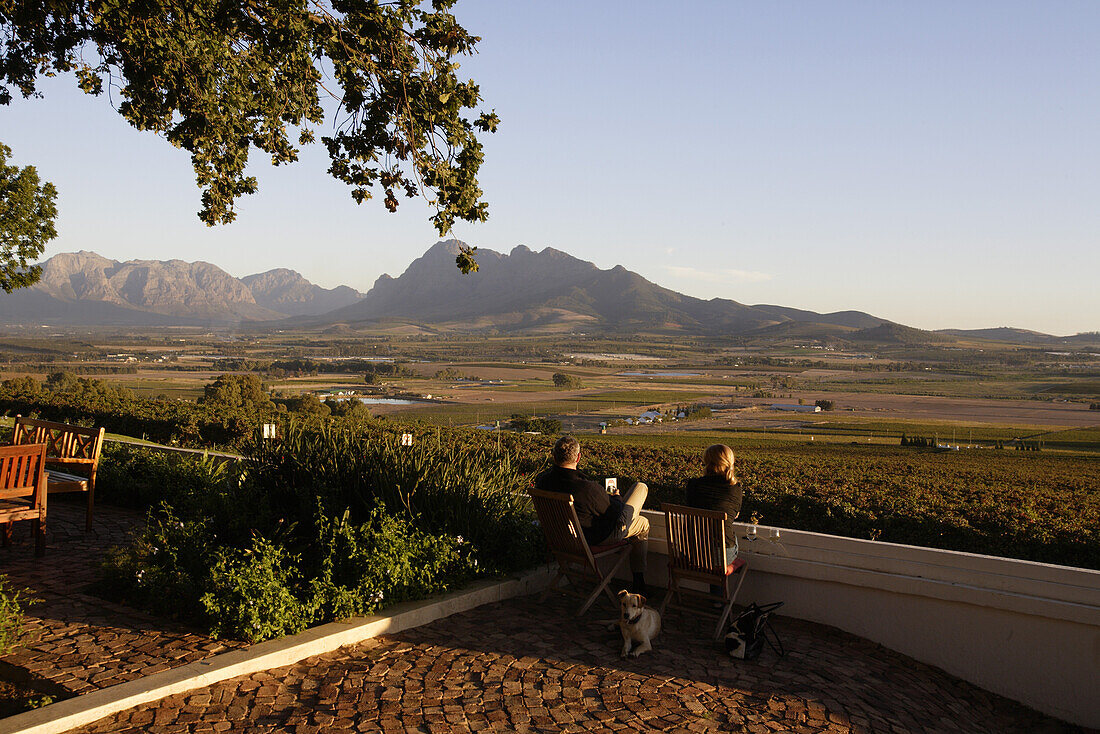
718, 490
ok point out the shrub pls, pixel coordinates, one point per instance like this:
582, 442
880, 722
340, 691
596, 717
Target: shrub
141, 478
385, 560
537, 425
250, 593
565, 381
462, 488
318, 526
164, 568
12, 602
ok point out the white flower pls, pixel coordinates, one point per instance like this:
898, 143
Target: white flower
460, 540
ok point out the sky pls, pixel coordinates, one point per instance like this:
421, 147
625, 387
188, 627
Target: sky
932, 163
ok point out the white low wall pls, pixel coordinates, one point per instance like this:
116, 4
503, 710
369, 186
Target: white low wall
1027, 631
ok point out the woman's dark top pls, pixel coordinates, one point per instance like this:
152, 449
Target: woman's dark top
713, 492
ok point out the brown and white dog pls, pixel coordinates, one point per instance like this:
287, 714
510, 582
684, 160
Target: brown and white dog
638, 623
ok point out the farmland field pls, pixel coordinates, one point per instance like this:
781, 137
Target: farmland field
839, 471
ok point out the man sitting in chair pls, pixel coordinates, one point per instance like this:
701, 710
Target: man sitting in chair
605, 518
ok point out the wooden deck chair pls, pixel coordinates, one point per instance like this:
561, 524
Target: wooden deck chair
66, 446
577, 562
23, 491
697, 552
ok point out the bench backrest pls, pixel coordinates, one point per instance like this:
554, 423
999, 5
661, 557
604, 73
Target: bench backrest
65, 444
696, 540
23, 474
561, 526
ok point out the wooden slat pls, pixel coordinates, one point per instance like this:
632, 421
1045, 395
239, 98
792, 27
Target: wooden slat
696, 541
17, 515
22, 473
66, 443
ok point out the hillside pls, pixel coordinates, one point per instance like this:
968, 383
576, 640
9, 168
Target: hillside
897, 334
1000, 334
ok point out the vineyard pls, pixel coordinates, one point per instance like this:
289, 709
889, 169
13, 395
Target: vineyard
1012, 504
1015, 504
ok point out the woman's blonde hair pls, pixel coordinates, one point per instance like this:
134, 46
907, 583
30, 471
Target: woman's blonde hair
718, 459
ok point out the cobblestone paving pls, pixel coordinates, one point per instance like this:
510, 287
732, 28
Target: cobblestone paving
521, 666
78, 641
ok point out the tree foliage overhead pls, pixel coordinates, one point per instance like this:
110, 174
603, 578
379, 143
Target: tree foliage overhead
219, 77
27, 213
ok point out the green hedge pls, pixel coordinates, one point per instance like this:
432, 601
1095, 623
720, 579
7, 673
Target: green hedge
318, 525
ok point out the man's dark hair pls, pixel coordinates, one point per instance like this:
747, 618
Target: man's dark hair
566, 450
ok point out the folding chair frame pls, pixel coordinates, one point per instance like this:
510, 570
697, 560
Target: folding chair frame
576, 560
696, 542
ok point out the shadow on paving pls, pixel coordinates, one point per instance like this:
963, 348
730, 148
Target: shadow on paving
523, 666
77, 642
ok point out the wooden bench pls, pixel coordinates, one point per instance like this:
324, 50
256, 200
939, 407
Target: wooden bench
66, 446
23, 491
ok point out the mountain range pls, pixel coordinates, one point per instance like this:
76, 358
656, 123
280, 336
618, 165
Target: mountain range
83, 288
522, 291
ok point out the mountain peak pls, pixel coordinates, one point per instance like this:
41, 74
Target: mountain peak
549, 290
445, 247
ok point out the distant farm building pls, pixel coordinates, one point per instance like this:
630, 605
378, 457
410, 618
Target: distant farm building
797, 408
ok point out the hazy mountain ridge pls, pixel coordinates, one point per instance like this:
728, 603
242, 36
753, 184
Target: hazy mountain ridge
1001, 333
85, 288
523, 291
287, 291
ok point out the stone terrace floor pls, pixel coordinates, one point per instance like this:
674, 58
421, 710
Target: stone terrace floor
529, 667
513, 666
79, 642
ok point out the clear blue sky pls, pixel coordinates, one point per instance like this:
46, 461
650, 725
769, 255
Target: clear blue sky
934, 163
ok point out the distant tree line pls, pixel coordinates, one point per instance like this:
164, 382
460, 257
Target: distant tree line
919, 441
691, 412
375, 372
230, 410
450, 373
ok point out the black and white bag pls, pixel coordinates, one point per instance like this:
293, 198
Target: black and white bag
750, 630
